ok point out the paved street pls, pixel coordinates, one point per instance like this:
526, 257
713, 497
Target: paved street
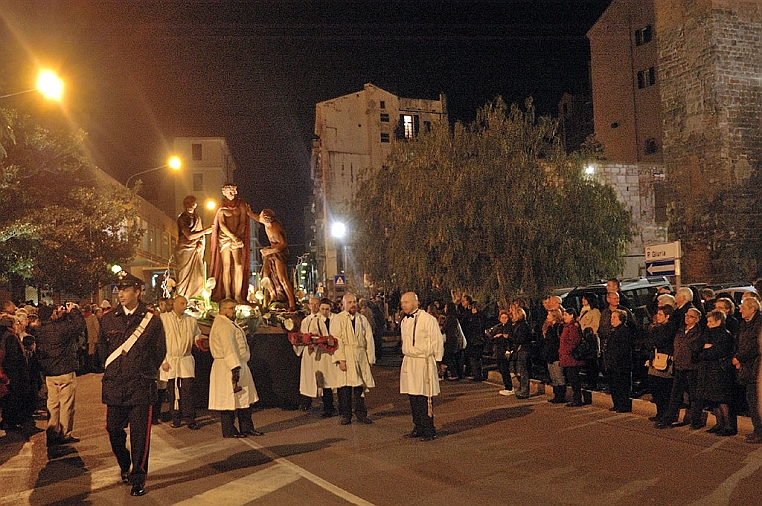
491, 450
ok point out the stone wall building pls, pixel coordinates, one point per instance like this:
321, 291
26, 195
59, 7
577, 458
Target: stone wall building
353, 135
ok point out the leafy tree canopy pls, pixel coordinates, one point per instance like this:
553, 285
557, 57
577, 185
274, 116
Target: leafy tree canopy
495, 208
58, 227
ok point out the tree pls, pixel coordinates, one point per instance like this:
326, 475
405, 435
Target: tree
58, 227
495, 208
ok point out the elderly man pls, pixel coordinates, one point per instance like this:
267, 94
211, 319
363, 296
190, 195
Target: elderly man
354, 356
136, 347
179, 367
422, 347
747, 361
686, 374
231, 387
316, 362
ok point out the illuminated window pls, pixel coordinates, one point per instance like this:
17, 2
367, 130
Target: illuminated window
197, 153
407, 126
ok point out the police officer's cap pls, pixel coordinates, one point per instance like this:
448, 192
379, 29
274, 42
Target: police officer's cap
126, 280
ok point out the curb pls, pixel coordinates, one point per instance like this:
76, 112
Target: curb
640, 407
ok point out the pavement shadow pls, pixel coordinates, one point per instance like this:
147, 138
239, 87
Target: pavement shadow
242, 460
484, 419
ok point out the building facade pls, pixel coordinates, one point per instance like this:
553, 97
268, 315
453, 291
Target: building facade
353, 137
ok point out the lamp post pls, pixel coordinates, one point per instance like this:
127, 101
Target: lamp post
173, 163
338, 231
48, 84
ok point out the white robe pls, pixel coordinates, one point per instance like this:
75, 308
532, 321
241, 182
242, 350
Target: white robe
317, 364
229, 348
356, 347
418, 374
180, 334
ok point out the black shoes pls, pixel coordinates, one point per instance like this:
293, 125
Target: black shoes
426, 439
413, 434
253, 432
716, 429
574, 404
365, 420
69, 440
236, 435
138, 490
328, 414
345, 421
126, 477
193, 426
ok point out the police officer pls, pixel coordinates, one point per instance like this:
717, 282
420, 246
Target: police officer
136, 347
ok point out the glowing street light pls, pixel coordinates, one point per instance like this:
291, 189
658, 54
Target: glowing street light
210, 204
48, 84
338, 230
173, 163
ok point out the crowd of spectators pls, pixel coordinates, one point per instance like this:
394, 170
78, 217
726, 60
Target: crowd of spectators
694, 359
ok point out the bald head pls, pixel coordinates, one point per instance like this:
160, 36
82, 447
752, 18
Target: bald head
350, 303
409, 302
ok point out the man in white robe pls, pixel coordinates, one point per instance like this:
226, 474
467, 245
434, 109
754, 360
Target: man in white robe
231, 386
354, 356
422, 347
316, 362
179, 366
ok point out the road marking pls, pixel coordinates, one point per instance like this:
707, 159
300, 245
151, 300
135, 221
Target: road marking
244, 490
317, 480
721, 494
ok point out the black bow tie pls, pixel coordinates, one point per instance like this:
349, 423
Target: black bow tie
411, 315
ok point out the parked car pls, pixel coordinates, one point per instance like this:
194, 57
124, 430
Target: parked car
733, 291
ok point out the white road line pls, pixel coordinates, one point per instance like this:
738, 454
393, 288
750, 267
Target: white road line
317, 480
244, 490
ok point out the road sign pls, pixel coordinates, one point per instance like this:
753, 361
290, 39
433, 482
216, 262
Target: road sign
115, 289
339, 280
663, 268
660, 252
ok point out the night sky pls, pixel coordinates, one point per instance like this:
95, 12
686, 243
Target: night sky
139, 73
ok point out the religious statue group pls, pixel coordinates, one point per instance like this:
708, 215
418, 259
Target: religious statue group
230, 253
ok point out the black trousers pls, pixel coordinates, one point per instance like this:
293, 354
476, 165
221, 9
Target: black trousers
620, 383
423, 423
348, 396
227, 420
575, 380
328, 406
684, 381
139, 420
187, 406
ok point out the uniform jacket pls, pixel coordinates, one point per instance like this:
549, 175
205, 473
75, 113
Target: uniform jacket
130, 380
423, 347
229, 348
356, 346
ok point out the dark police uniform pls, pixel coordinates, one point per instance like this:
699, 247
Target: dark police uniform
129, 385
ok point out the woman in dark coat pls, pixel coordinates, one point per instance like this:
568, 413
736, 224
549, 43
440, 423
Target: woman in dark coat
617, 362
713, 353
15, 405
500, 335
454, 343
551, 342
521, 341
659, 339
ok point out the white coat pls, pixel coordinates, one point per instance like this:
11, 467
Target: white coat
180, 334
422, 347
316, 363
229, 348
356, 347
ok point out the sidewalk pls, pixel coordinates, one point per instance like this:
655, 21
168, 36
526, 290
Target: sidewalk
640, 407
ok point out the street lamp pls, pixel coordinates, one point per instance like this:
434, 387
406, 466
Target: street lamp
173, 163
338, 231
48, 84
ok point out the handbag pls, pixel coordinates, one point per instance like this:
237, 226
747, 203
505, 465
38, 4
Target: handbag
660, 362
